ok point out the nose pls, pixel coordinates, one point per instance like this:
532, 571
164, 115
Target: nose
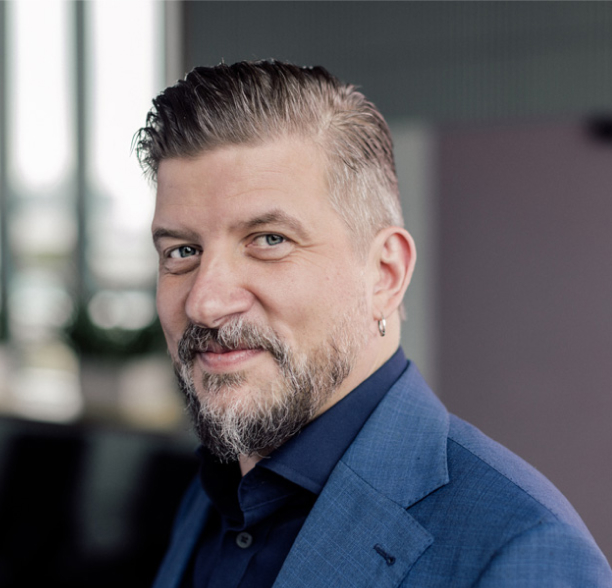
217, 294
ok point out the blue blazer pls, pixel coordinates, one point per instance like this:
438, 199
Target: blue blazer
423, 499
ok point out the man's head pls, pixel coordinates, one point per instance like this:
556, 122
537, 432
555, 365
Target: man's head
249, 103
277, 255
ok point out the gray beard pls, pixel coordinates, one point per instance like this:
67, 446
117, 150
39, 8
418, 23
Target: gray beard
256, 422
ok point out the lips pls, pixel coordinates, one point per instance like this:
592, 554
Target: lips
221, 359
214, 347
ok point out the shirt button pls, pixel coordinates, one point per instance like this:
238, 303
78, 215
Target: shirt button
244, 540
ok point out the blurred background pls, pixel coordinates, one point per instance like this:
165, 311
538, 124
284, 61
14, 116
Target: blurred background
502, 119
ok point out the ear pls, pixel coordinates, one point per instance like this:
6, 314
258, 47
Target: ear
394, 257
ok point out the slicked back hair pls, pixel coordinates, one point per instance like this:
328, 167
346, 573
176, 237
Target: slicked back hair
249, 103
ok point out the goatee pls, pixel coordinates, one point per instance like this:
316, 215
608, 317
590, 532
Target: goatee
255, 420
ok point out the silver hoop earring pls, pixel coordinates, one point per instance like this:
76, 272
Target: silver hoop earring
382, 326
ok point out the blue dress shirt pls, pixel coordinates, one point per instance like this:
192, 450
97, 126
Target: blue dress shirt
258, 516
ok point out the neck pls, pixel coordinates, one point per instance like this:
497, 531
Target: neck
248, 462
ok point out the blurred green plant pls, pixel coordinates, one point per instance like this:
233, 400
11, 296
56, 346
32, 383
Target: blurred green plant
91, 340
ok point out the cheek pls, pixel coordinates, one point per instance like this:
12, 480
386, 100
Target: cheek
171, 312
306, 307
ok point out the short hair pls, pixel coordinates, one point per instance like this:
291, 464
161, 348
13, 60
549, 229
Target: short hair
250, 102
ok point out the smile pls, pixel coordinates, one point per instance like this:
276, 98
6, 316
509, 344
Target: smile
216, 359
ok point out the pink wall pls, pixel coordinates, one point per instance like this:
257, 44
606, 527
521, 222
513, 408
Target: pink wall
525, 336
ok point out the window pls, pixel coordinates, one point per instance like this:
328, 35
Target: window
77, 270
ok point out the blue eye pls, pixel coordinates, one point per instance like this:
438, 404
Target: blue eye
274, 239
270, 246
184, 251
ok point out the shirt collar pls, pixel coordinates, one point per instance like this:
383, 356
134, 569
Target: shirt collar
309, 458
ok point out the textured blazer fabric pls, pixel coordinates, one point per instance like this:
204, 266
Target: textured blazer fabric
423, 499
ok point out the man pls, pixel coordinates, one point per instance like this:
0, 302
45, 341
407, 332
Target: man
326, 460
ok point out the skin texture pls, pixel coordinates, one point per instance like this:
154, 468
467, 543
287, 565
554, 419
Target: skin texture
247, 232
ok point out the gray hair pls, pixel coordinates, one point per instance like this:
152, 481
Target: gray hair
254, 102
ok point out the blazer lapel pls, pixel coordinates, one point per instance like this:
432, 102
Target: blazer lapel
184, 538
359, 533
353, 537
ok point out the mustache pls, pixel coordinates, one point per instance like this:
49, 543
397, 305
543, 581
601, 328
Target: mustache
232, 336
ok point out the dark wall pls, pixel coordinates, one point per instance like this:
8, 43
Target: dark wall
86, 506
429, 60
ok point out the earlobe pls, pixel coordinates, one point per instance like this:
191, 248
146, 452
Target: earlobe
396, 257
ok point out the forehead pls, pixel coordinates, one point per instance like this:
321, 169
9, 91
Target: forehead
227, 182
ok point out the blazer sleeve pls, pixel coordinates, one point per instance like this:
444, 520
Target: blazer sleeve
549, 554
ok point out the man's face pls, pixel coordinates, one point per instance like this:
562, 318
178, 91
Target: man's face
264, 303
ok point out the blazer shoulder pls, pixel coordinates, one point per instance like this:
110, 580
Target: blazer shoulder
501, 467
498, 517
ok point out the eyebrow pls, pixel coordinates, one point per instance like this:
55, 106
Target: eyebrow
181, 235
274, 217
